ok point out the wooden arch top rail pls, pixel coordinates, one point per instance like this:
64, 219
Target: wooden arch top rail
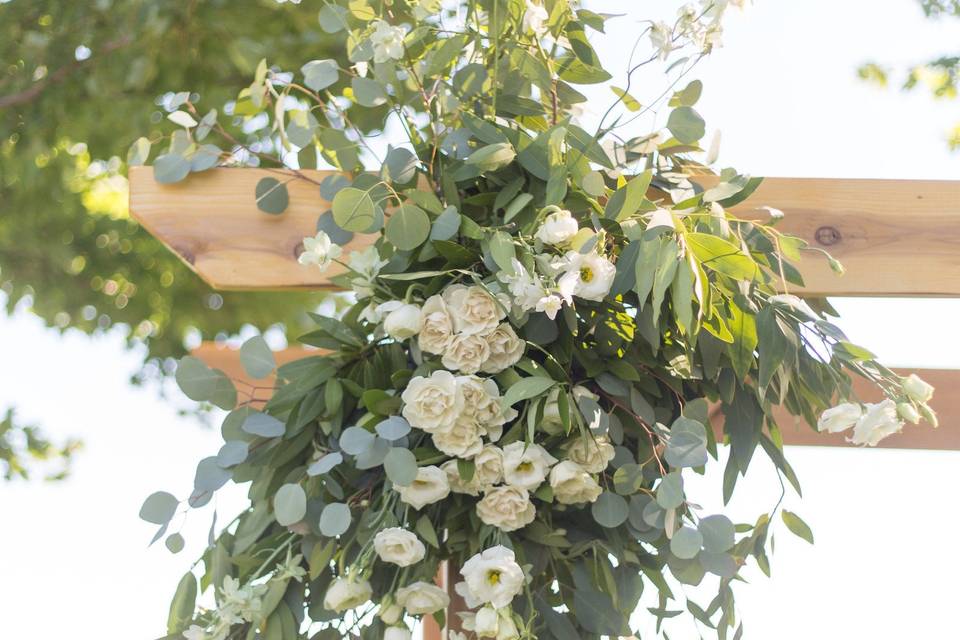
895, 237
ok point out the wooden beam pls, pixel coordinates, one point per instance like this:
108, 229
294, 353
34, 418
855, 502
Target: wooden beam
895, 237
946, 402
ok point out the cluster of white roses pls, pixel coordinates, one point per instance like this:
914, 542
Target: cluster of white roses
873, 422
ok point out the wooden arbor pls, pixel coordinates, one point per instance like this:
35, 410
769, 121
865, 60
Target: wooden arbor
895, 238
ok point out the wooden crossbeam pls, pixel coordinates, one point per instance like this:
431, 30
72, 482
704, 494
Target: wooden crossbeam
922, 436
895, 237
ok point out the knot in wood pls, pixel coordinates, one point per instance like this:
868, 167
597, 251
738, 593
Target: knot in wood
827, 236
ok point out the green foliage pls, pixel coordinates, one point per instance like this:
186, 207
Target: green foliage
25, 448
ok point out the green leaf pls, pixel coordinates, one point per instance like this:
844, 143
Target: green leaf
670, 491
400, 466
139, 152
356, 440
325, 464
797, 526
289, 504
174, 543
628, 100
263, 425
159, 508
722, 256
526, 388
686, 543
743, 422
393, 428
718, 533
503, 251
426, 531
272, 196
368, 92
183, 604
353, 209
335, 519
446, 225
320, 74
492, 156
610, 510
595, 613
408, 227
257, 358
203, 384
687, 446
686, 125
170, 167
400, 166
743, 326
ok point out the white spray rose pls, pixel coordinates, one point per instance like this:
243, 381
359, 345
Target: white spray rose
535, 19
430, 486
422, 598
505, 349
572, 484
917, 389
387, 41
320, 251
347, 593
558, 228
481, 400
493, 577
403, 321
462, 440
473, 310
839, 418
506, 508
399, 546
488, 466
878, 421
432, 404
397, 633
588, 276
466, 353
593, 454
526, 465
436, 326
456, 481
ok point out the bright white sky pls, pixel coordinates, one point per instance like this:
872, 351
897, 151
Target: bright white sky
783, 90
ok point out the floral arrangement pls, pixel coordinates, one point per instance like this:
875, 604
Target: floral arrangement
521, 376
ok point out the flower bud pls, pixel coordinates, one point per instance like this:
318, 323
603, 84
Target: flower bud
836, 266
397, 633
908, 412
929, 415
916, 389
390, 613
403, 322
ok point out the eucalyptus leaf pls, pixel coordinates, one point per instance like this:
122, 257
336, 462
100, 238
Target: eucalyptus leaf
257, 358
290, 504
335, 519
400, 466
159, 507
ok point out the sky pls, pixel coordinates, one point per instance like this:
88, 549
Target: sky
783, 90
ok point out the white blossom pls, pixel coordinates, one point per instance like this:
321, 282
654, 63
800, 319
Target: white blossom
558, 228
387, 41
493, 577
399, 546
535, 19
588, 276
839, 418
506, 508
526, 465
877, 422
431, 485
422, 598
320, 251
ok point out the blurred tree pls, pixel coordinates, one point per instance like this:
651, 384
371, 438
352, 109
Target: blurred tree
24, 446
79, 82
939, 75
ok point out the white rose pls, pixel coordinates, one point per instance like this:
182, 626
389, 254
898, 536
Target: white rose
588, 276
397, 633
403, 322
493, 577
488, 466
462, 440
572, 484
917, 389
399, 546
432, 404
593, 454
473, 310
422, 598
507, 508
557, 228
877, 422
466, 353
346, 593
430, 486
839, 418
526, 465
437, 326
456, 482
505, 349
481, 400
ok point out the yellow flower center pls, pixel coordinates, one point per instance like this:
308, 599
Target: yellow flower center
586, 274
525, 466
493, 577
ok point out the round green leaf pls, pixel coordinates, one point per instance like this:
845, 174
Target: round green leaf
290, 504
139, 152
670, 491
170, 167
593, 184
368, 92
408, 227
400, 165
325, 464
272, 196
686, 543
174, 543
374, 455
335, 519
393, 428
263, 425
401, 466
355, 440
718, 533
353, 209
686, 125
720, 564
320, 74
159, 507
610, 510
257, 358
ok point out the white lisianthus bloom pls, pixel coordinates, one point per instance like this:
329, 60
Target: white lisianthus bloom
493, 577
366, 265
430, 486
572, 484
403, 322
535, 19
320, 251
432, 404
397, 633
526, 465
462, 440
422, 598
473, 310
588, 276
466, 353
399, 546
387, 41
506, 508
593, 454
839, 418
436, 326
550, 305
917, 389
557, 228
877, 422
347, 593
506, 349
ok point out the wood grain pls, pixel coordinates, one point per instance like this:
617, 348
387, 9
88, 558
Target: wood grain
895, 237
